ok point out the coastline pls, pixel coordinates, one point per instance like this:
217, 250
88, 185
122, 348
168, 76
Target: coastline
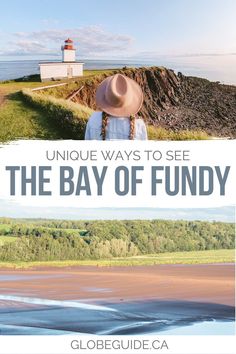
212, 68
118, 300
220, 256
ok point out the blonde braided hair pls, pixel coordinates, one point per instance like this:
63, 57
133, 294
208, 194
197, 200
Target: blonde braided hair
105, 123
132, 127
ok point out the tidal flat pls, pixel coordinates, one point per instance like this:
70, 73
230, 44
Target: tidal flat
167, 299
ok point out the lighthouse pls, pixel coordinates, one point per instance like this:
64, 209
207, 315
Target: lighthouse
65, 69
68, 51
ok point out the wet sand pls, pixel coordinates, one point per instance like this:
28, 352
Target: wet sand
144, 299
208, 283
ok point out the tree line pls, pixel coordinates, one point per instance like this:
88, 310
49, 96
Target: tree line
77, 240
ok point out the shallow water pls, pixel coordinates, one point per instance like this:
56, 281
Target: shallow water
28, 315
204, 328
17, 277
201, 328
57, 303
114, 301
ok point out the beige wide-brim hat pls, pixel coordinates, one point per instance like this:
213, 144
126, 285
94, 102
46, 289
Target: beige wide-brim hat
119, 96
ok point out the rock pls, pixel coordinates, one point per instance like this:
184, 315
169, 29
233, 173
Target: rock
178, 101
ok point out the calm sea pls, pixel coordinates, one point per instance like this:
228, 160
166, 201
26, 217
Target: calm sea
215, 68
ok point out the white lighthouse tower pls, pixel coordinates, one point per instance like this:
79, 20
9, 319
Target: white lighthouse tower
68, 51
65, 69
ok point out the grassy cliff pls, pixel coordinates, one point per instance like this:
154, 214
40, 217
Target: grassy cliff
175, 107
22, 118
69, 117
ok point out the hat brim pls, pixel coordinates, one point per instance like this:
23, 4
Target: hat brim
127, 109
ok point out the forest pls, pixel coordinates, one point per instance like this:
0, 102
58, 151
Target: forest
48, 240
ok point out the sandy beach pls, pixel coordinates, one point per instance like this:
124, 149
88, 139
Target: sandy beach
114, 300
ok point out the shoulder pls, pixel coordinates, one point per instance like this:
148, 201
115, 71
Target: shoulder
95, 118
93, 127
140, 122
141, 130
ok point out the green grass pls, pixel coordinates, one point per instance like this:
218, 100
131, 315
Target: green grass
74, 84
13, 87
97, 72
71, 118
5, 227
159, 133
195, 257
33, 81
6, 239
19, 119
79, 110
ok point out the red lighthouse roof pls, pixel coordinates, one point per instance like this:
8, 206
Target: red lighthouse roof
68, 44
68, 40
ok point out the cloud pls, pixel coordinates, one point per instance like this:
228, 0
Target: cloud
90, 41
27, 47
205, 55
156, 55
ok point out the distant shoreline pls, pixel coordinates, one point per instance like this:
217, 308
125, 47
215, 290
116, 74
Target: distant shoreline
73, 265
173, 259
213, 70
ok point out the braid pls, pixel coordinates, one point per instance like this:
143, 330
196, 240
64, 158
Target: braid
132, 127
104, 125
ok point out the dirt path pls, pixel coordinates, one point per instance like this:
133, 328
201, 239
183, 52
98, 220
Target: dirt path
2, 98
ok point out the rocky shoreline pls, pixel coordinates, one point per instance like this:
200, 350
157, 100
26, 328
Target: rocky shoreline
177, 102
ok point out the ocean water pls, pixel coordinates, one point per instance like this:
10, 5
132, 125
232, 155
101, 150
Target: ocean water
204, 328
215, 68
34, 315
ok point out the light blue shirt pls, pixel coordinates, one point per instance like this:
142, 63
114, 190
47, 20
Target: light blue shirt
117, 128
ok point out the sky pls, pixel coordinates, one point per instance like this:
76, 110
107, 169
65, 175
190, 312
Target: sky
14, 210
112, 29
